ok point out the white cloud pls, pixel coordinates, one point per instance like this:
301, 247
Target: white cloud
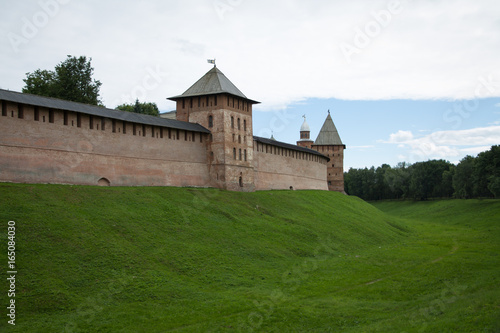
276, 52
497, 105
401, 136
447, 144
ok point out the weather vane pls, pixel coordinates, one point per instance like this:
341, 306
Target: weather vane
212, 61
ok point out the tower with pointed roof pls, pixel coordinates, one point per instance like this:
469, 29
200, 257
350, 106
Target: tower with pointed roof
329, 143
217, 104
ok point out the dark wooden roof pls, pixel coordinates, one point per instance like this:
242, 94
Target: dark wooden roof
59, 104
213, 82
280, 144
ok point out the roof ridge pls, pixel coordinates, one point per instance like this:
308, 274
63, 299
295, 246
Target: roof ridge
100, 111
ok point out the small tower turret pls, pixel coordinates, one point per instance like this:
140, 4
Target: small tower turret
305, 135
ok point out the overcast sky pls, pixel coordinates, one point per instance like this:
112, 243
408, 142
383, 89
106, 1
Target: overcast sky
405, 80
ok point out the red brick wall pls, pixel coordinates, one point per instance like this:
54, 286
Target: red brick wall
278, 168
38, 151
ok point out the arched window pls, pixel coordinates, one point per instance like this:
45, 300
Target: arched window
244, 124
240, 154
239, 138
232, 122
241, 181
210, 121
238, 123
234, 153
245, 154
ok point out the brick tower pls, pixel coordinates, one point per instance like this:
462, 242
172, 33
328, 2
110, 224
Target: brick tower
328, 143
217, 104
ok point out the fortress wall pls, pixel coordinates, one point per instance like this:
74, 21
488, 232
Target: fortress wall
37, 147
279, 168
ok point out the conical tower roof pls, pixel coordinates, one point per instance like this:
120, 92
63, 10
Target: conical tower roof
328, 134
213, 82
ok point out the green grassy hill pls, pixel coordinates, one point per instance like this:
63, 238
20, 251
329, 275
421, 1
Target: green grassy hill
93, 259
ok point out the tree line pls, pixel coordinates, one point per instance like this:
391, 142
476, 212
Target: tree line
473, 177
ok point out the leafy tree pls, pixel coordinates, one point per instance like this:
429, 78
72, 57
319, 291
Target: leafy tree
144, 108
71, 80
426, 179
462, 180
382, 189
397, 180
486, 169
494, 186
447, 183
40, 82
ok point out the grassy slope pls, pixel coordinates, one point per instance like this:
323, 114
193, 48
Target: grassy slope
469, 274
166, 259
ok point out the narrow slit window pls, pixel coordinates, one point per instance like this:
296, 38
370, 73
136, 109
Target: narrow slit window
37, 114
4, 108
20, 113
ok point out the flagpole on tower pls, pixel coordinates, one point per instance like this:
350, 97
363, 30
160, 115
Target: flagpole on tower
212, 61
